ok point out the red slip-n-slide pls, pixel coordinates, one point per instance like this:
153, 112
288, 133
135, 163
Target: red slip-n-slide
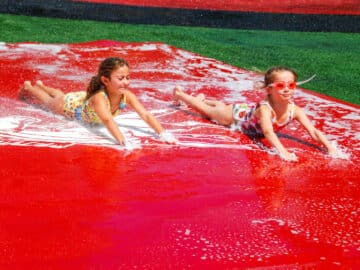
72, 199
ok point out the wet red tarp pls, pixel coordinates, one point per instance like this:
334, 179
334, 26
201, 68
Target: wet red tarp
70, 199
344, 7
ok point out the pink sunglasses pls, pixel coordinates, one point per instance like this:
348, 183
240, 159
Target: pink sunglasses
281, 85
290, 85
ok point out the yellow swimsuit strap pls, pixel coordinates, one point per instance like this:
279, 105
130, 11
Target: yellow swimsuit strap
122, 104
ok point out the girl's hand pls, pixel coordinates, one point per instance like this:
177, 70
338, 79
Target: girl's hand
288, 156
332, 151
129, 146
167, 137
336, 153
122, 142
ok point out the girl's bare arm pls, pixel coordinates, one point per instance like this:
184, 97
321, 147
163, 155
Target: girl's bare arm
265, 116
101, 108
143, 113
316, 134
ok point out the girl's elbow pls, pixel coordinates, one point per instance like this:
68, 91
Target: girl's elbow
106, 121
267, 132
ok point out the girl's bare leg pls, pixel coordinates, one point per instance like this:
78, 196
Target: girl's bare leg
49, 90
215, 110
50, 100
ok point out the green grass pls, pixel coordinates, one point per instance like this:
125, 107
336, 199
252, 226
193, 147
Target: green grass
334, 57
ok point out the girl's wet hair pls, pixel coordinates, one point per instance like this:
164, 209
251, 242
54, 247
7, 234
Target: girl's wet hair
270, 74
105, 69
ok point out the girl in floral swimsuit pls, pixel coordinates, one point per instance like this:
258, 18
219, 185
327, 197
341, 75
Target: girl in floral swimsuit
107, 94
267, 117
76, 106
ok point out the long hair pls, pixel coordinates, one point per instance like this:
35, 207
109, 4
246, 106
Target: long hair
106, 67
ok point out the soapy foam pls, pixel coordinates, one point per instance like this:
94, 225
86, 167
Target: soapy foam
202, 74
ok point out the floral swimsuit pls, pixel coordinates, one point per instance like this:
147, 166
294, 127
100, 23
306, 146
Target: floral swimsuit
77, 107
245, 119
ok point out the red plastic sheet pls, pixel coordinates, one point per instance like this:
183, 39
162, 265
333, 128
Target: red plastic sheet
71, 199
344, 7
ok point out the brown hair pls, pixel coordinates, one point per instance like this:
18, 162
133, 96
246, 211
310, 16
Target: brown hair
270, 74
106, 67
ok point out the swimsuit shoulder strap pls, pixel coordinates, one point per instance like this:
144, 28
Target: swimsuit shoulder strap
292, 110
122, 104
106, 97
266, 103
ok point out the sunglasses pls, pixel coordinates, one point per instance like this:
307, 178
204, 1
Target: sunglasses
281, 85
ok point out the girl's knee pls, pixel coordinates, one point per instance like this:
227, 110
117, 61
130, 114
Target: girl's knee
59, 95
56, 105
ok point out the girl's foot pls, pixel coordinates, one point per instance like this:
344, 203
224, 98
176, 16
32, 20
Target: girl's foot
200, 97
39, 83
23, 89
176, 93
27, 85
